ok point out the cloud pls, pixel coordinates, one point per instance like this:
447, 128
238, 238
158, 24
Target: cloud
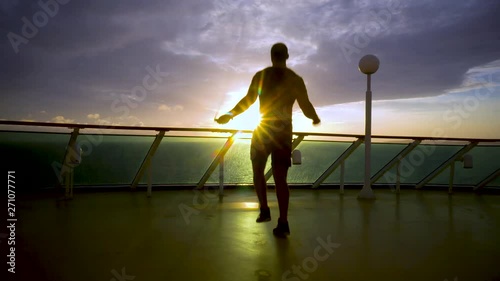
106, 122
132, 121
463, 111
176, 108
164, 107
237, 35
481, 78
61, 119
93, 116
95, 48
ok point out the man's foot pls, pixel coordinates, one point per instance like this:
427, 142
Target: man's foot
282, 230
265, 215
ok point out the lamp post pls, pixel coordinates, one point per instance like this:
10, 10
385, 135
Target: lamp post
368, 65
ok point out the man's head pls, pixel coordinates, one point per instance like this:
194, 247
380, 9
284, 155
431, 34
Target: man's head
279, 53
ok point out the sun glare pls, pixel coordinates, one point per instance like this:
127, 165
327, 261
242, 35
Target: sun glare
250, 205
248, 120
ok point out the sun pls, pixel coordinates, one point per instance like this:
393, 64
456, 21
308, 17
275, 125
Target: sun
248, 120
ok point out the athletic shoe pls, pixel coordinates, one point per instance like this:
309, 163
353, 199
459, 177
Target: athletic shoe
265, 215
282, 230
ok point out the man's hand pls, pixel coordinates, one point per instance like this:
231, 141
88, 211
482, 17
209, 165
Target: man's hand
224, 118
316, 122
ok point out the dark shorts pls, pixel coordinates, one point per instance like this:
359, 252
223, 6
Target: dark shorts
277, 143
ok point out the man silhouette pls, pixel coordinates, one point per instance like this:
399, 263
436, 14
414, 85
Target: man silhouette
277, 88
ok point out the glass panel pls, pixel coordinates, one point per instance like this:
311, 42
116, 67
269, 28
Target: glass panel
35, 157
237, 164
494, 183
238, 167
317, 156
383, 154
422, 161
355, 164
110, 159
485, 162
184, 160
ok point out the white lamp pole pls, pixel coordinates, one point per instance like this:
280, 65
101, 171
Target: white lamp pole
368, 65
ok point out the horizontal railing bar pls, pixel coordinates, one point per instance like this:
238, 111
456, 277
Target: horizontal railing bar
232, 131
118, 127
491, 143
37, 132
118, 134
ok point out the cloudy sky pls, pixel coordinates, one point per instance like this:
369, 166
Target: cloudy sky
180, 63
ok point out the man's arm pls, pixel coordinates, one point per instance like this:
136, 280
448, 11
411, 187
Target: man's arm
305, 104
244, 103
247, 100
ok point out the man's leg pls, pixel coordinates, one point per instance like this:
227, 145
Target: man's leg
282, 191
281, 163
259, 155
259, 182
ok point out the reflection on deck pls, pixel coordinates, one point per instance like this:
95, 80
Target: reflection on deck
416, 235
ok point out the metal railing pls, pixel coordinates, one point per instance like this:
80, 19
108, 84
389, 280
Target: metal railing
467, 144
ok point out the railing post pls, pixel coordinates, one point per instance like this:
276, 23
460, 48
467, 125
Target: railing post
488, 179
70, 151
147, 160
337, 162
216, 161
398, 176
72, 158
150, 177
395, 160
342, 174
452, 175
221, 176
450, 161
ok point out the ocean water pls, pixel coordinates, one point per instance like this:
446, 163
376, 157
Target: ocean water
115, 160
